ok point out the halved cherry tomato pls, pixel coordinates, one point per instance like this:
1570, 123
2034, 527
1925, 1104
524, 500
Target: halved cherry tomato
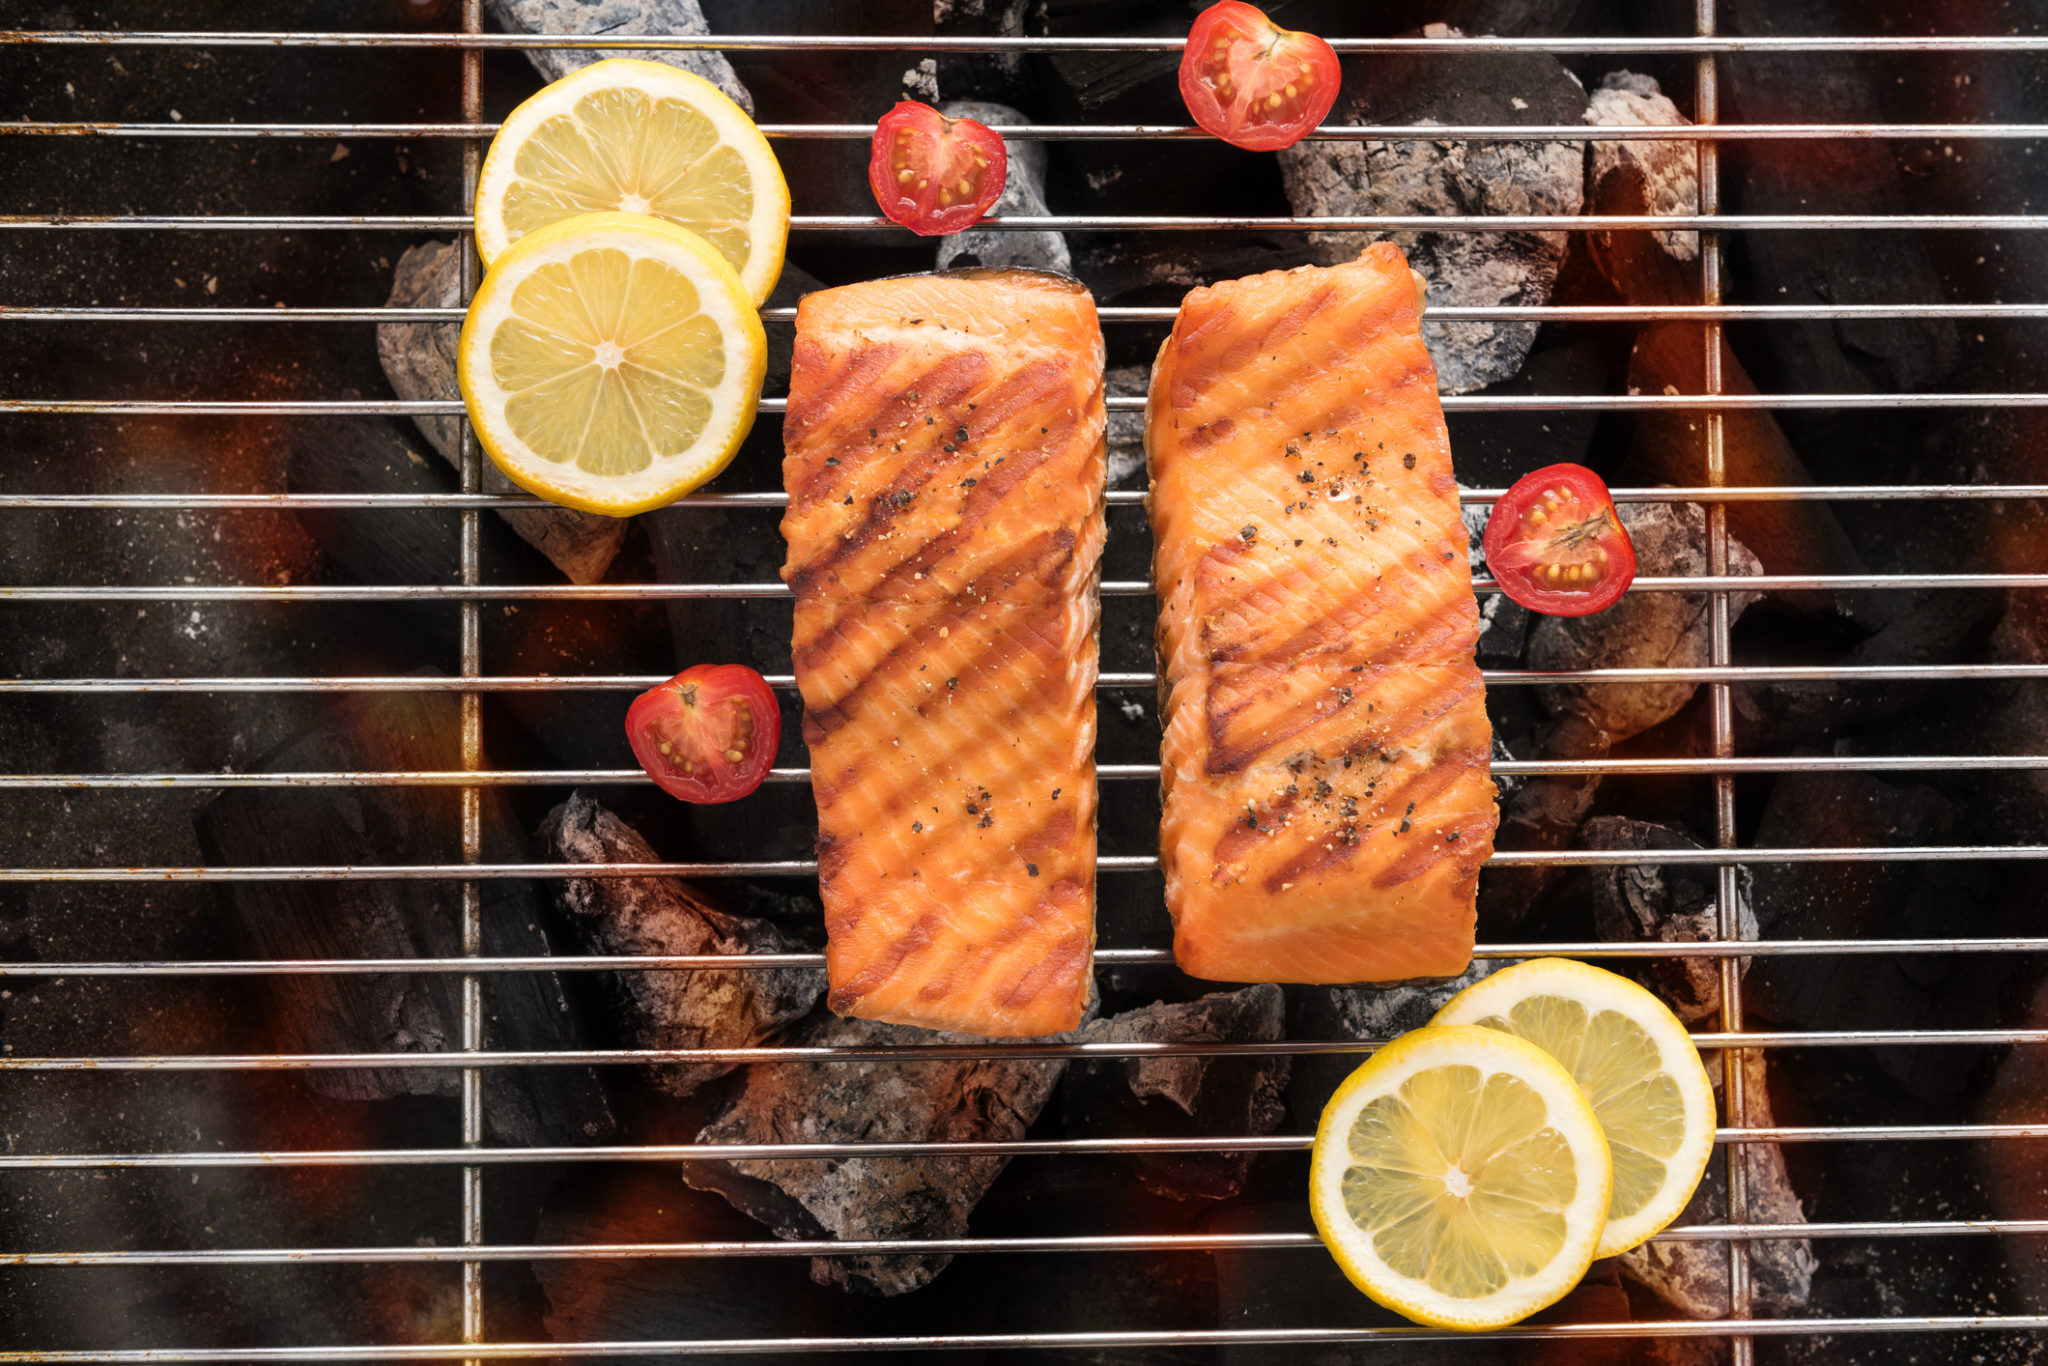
932, 174
1253, 83
708, 735
1556, 546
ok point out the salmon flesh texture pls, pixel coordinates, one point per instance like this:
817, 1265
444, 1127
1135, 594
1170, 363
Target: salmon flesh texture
1327, 804
944, 462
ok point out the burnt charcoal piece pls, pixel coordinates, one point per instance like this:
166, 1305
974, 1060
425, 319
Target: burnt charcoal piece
666, 915
1179, 1097
667, 18
1874, 900
1427, 177
1936, 626
419, 360
1643, 178
1643, 630
1370, 1013
1126, 433
1693, 1277
998, 76
1023, 194
415, 1013
1670, 448
1539, 813
1658, 903
860, 1102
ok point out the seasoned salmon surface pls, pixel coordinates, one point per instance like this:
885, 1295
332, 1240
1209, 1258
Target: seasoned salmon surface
1324, 767
944, 463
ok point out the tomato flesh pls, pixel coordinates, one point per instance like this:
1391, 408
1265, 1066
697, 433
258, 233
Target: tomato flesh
932, 174
1556, 546
708, 735
1254, 84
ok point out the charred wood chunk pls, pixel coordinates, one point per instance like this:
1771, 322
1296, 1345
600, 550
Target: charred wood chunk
873, 1102
1658, 903
401, 1013
1693, 1277
999, 76
1643, 630
664, 916
1185, 1096
1874, 899
419, 360
1023, 194
1643, 178
1426, 177
668, 18
1364, 1013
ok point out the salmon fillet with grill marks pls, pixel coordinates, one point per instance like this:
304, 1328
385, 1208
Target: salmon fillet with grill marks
1327, 804
944, 462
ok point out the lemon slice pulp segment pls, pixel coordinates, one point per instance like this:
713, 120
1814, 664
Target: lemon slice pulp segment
611, 363
1636, 1064
629, 136
1460, 1178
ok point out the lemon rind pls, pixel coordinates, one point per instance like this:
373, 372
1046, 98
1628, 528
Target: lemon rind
1496, 994
769, 226
739, 321
1452, 1045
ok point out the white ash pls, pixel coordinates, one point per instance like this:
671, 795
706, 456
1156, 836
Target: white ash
1023, 195
419, 362
1503, 622
665, 18
1643, 630
1693, 1277
1668, 171
662, 916
1464, 269
921, 82
1384, 1013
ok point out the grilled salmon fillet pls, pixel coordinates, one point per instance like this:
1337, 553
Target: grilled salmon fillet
1327, 804
944, 463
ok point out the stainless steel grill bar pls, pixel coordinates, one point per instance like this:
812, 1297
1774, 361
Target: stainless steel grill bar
1077, 132
818, 42
634, 777
464, 1062
1095, 1244
420, 222
635, 592
1108, 863
1452, 403
274, 502
1063, 1147
595, 1057
1739, 673
1068, 1342
1438, 313
1104, 958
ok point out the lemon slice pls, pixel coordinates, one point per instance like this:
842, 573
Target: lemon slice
637, 137
611, 362
1636, 1064
1460, 1178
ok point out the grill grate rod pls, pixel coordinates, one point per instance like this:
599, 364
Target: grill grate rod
1104, 958
634, 777
1095, 1244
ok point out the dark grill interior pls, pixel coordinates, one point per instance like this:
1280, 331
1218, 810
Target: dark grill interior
290, 710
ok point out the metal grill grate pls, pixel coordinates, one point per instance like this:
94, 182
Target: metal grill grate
471, 1157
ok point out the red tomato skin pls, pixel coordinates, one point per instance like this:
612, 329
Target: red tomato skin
1506, 520
923, 214
1237, 122
722, 781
